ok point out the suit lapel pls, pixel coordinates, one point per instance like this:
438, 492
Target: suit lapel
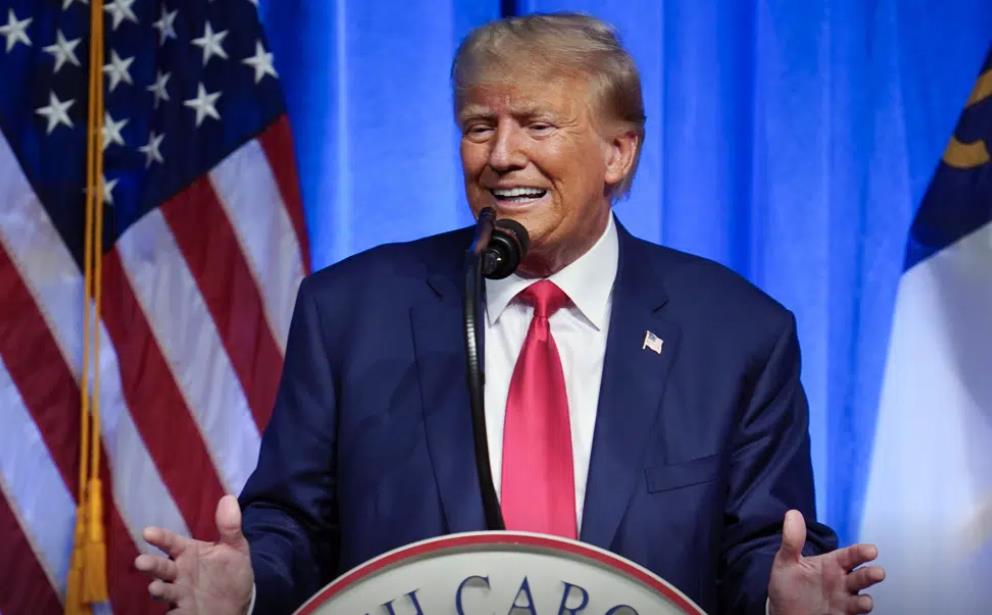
630, 394
438, 344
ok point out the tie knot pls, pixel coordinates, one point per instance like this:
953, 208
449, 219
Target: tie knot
545, 296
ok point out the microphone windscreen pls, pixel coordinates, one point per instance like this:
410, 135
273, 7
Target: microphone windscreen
507, 247
517, 232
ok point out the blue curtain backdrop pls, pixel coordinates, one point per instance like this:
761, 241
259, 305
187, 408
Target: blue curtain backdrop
789, 140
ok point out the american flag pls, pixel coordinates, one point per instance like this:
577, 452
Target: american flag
204, 248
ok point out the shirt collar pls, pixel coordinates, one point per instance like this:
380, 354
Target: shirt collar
588, 281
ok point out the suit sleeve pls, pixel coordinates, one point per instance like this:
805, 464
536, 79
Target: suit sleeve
770, 472
289, 503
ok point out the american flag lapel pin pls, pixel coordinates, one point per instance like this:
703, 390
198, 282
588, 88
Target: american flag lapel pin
652, 342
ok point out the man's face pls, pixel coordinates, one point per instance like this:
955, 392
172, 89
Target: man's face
531, 150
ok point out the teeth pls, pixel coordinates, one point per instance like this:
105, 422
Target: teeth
509, 193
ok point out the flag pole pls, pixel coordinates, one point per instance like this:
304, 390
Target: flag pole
87, 582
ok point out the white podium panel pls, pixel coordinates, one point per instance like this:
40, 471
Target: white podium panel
490, 573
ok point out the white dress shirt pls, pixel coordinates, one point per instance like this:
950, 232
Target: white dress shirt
579, 329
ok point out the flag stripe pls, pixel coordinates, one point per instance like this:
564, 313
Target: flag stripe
141, 496
36, 489
929, 476
51, 396
277, 143
188, 340
48, 271
41, 375
157, 407
42, 257
211, 250
26, 589
128, 587
247, 190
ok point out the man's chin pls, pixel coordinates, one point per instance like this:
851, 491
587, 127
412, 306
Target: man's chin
541, 259
535, 220
537, 227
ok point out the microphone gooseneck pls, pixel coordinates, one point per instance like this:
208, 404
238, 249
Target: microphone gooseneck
497, 248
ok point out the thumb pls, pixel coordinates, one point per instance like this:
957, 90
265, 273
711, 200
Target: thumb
793, 536
228, 519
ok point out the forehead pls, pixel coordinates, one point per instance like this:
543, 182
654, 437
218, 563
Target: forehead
523, 94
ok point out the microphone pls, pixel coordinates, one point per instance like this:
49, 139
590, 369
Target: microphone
507, 247
497, 248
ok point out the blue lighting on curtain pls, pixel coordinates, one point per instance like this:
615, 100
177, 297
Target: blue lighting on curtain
791, 141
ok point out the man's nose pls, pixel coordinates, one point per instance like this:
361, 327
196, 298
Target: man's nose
507, 153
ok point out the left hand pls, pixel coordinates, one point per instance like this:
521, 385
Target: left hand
825, 584
199, 577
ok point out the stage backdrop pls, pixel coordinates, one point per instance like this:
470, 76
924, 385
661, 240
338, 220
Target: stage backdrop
791, 141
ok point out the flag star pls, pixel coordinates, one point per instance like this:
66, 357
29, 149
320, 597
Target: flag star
166, 26
63, 51
67, 3
121, 10
210, 42
151, 151
108, 190
117, 70
56, 112
158, 88
112, 131
203, 104
261, 62
15, 31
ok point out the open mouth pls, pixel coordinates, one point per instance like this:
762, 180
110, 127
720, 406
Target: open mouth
518, 195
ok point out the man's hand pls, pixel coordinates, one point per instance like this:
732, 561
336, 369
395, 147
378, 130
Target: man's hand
202, 578
820, 585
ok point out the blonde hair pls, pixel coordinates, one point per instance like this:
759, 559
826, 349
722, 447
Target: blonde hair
566, 42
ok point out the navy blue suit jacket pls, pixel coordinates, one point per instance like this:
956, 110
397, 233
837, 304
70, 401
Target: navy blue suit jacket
697, 453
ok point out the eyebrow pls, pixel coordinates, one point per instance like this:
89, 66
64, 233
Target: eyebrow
479, 112
474, 112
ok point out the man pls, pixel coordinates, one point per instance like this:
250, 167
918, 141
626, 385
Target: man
671, 423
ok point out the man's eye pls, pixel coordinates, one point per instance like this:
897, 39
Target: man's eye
541, 127
477, 130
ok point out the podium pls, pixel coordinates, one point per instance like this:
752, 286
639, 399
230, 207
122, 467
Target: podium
486, 573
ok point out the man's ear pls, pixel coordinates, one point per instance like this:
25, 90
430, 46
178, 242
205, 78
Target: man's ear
622, 150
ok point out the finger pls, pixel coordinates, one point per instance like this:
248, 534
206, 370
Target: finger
793, 536
158, 566
851, 557
228, 519
862, 603
864, 577
166, 592
167, 541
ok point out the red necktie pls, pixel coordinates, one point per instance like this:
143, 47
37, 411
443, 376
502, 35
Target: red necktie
538, 486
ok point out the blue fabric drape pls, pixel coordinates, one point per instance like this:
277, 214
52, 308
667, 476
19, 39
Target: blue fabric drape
791, 141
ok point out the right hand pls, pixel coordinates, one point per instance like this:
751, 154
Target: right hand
827, 583
202, 578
